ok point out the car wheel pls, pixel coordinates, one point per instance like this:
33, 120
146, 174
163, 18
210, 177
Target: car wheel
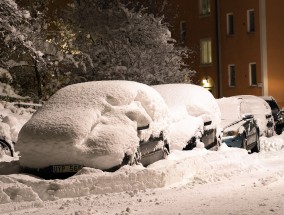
279, 131
256, 148
244, 141
5, 148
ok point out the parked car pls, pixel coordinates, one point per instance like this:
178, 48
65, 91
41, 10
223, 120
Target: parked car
261, 112
6, 148
12, 118
240, 128
6, 145
195, 115
278, 114
103, 125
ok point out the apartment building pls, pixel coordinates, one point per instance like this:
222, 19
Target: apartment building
237, 46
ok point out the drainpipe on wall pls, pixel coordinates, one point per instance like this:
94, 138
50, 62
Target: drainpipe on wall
218, 42
263, 46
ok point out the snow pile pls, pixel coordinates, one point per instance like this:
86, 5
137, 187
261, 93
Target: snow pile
180, 167
190, 106
275, 143
93, 124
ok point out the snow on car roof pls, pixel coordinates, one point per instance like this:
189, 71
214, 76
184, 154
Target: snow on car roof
190, 106
191, 100
93, 124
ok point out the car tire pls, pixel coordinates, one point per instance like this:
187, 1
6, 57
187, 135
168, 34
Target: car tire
279, 130
256, 148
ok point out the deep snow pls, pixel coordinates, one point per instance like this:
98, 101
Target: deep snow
228, 181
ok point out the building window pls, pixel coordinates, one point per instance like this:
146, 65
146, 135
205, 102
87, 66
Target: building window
206, 51
204, 7
183, 31
252, 74
230, 24
251, 22
232, 75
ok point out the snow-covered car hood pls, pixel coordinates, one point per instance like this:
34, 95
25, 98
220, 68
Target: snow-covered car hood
92, 124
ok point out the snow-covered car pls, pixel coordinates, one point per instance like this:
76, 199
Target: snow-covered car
278, 114
240, 128
12, 119
100, 124
195, 116
6, 148
6, 144
261, 112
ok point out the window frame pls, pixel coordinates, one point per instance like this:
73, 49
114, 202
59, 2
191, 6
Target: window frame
230, 26
230, 82
250, 21
206, 57
204, 11
251, 75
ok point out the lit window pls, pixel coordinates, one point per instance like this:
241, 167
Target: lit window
183, 31
206, 51
204, 7
251, 23
230, 24
252, 74
232, 75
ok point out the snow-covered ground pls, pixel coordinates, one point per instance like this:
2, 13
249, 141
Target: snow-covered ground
228, 181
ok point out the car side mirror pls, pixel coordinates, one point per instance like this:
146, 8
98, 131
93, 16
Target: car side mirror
207, 123
267, 116
143, 127
247, 116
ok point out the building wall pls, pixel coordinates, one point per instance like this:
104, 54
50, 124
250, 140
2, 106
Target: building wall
241, 48
275, 49
198, 27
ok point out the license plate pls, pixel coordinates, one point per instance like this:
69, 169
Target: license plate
66, 168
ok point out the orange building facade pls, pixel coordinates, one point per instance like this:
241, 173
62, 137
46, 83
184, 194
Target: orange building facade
237, 46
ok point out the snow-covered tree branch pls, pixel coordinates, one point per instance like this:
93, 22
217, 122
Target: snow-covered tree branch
87, 40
